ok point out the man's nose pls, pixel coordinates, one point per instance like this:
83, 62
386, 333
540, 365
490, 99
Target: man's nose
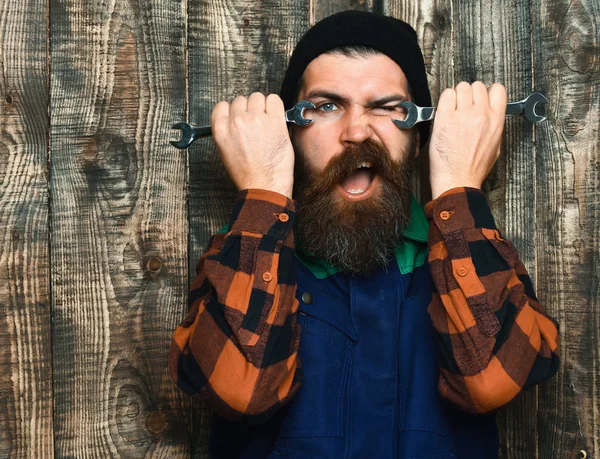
355, 127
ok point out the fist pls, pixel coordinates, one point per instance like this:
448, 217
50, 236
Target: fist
254, 144
467, 131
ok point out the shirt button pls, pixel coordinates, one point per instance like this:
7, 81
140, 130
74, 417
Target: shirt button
267, 276
307, 298
462, 271
444, 215
283, 217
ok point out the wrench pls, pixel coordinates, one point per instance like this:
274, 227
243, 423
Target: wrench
526, 107
190, 133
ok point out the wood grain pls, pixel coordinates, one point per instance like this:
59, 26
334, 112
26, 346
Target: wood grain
112, 275
25, 335
119, 220
433, 23
235, 48
320, 9
493, 44
567, 219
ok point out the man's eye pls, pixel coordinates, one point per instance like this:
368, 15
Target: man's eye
389, 109
328, 107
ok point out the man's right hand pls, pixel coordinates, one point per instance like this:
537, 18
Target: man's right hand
254, 143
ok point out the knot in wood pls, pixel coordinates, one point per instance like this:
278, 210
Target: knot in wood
156, 422
154, 265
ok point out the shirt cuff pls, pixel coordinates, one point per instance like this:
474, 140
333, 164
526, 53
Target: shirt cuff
459, 209
263, 212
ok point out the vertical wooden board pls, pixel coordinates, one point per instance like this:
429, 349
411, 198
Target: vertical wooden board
119, 226
493, 44
567, 219
25, 327
433, 22
320, 9
235, 48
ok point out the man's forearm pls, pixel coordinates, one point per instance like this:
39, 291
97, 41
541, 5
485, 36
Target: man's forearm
238, 346
495, 340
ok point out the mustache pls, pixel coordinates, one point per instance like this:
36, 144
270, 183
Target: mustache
346, 163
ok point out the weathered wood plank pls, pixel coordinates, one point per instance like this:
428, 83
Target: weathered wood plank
119, 220
434, 24
235, 48
493, 44
320, 9
566, 62
25, 324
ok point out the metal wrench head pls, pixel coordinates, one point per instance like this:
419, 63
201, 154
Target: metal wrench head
296, 113
412, 116
187, 135
531, 109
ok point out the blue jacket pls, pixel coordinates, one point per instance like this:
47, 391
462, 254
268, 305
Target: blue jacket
370, 377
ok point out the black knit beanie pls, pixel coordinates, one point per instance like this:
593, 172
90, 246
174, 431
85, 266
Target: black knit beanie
392, 37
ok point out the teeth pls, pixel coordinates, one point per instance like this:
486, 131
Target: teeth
365, 164
355, 191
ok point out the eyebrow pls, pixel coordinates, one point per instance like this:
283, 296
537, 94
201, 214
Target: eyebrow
339, 98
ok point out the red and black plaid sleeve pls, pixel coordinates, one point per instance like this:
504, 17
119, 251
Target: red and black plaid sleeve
494, 338
238, 347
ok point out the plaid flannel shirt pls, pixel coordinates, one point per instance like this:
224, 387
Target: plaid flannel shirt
238, 346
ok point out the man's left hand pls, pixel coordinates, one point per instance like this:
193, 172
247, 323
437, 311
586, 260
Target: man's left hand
467, 130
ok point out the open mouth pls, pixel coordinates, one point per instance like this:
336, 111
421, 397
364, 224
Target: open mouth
359, 184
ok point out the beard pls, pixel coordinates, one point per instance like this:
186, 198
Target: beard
357, 237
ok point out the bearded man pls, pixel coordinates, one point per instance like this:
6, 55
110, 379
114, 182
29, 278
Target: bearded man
350, 322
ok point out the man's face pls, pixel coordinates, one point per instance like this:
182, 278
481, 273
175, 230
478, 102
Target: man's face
341, 87
353, 165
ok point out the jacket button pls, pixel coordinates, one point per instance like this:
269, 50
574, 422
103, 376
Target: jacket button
444, 215
462, 271
307, 298
283, 217
267, 276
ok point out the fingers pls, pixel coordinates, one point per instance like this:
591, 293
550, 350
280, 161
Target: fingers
274, 104
256, 103
480, 95
447, 102
474, 95
238, 106
464, 96
221, 110
498, 98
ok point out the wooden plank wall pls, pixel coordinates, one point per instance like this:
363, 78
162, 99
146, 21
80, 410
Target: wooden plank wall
25, 319
102, 221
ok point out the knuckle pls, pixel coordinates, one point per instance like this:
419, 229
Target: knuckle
220, 125
237, 121
220, 106
448, 92
463, 85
